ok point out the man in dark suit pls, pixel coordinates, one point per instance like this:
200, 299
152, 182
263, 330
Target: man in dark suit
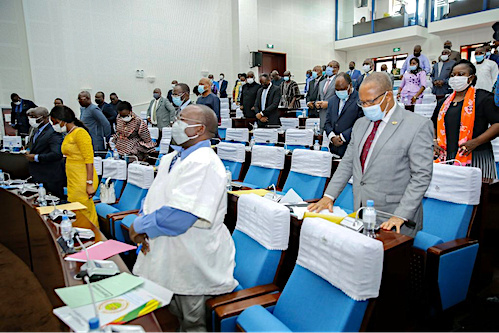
368, 69
45, 156
440, 75
106, 109
267, 102
223, 86
313, 91
248, 96
354, 73
19, 119
342, 113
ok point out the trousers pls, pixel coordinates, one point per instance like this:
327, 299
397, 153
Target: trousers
190, 311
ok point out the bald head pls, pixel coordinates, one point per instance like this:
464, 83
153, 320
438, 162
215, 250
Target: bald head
380, 82
207, 85
203, 115
84, 99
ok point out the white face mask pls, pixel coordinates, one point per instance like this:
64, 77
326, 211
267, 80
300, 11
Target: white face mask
366, 68
444, 57
173, 85
459, 83
178, 132
33, 122
59, 129
126, 119
221, 77
17, 103
250, 80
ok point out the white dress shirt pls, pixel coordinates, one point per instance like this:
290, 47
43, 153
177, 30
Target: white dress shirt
486, 74
185, 104
264, 98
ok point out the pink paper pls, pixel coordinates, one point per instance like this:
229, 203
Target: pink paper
102, 251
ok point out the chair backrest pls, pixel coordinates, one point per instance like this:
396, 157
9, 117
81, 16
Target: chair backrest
265, 135
262, 233
237, 134
345, 199
154, 131
425, 110
330, 293
164, 146
454, 190
143, 115
495, 148
233, 156
140, 178
309, 172
166, 133
114, 169
287, 123
299, 137
225, 123
12, 141
266, 165
310, 123
98, 165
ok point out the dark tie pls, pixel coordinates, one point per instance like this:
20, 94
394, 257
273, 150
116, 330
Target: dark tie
368, 143
36, 136
174, 159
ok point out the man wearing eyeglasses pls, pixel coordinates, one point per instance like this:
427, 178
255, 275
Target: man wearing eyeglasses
390, 156
181, 96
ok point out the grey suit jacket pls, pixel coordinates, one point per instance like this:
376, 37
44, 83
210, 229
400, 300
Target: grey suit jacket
165, 112
399, 169
329, 92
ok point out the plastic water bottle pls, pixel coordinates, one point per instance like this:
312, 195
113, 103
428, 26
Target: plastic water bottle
369, 219
252, 142
2, 177
255, 125
42, 193
67, 231
11, 146
317, 146
116, 155
316, 129
229, 178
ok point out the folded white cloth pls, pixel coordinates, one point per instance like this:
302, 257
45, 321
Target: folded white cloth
264, 220
289, 123
140, 175
235, 152
237, 134
348, 260
166, 133
114, 169
266, 135
268, 157
311, 122
226, 123
312, 162
164, 145
457, 184
154, 131
304, 137
98, 165
495, 148
12, 141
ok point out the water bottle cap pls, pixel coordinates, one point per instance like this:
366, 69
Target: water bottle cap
227, 168
65, 217
370, 203
93, 323
316, 141
40, 185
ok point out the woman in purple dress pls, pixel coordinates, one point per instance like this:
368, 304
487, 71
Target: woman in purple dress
412, 86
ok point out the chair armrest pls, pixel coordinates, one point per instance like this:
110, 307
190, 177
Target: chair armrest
441, 249
240, 295
234, 309
121, 215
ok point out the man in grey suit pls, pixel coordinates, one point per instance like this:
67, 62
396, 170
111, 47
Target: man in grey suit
390, 156
326, 90
161, 112
440, 75
313, 91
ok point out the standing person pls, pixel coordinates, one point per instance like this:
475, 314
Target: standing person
44, 156
19, 118
114, 101
106, 109
170, 92
276, 78
186, 247
466, 121
58, 101
223, 86
454, 55
342, 113
132, 135
384, 68
214, 85
267, 103
424, 63
354, 73
313, 92
96, 123
242, 82
326, 91
440, 75
207, 97
368, 69
181, 96
486, 71
290, 92
248, 96
412, 86
77, 147
308, 78
235, 90
390, 158
161, 112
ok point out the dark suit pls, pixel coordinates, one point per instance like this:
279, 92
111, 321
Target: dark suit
19, 118
271, 105
443, 75
313, 95
49, 169
343, 123
354, 75
223, 89
111, 113
248, 97
360, 79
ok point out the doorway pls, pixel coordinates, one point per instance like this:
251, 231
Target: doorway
271, 61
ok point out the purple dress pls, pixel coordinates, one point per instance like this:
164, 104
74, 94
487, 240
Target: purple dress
410, 85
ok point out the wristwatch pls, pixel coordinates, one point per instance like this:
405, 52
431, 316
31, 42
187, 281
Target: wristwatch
90, 182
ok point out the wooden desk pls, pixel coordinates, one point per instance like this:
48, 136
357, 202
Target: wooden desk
33, 239
394, 289
243, 122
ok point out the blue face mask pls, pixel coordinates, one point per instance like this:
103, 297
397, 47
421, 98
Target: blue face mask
286, 78
177, 100
479, 58
342, 94
201, 89
488, 54
374, 112
308, 75
413, 68
329, 71
314, 75
323, 72
155, 95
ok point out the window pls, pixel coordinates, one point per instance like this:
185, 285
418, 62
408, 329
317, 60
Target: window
443, 9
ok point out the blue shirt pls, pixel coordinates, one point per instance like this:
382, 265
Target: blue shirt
424, 63
36, 136
168, 221
496, 94
212, 102
307, 81
97, 124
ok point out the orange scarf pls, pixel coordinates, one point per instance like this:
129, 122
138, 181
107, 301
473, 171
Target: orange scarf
465, 130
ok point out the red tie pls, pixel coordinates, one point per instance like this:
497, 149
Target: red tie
326, 86
368, 143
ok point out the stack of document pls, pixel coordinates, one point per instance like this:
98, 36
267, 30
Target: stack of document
119, 299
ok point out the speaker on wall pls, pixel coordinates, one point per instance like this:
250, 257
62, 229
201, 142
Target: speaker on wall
256, 59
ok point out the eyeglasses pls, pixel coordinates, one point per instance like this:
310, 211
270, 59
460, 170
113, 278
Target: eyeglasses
370, 102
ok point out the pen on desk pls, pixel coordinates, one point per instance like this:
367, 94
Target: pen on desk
138, 249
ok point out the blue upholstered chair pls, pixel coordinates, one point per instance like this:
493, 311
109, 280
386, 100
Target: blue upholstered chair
330, 294
266, 165
299, 138
309, 172
109, 168
449, 256
233, 156
261, 236
118, 188
345, 199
